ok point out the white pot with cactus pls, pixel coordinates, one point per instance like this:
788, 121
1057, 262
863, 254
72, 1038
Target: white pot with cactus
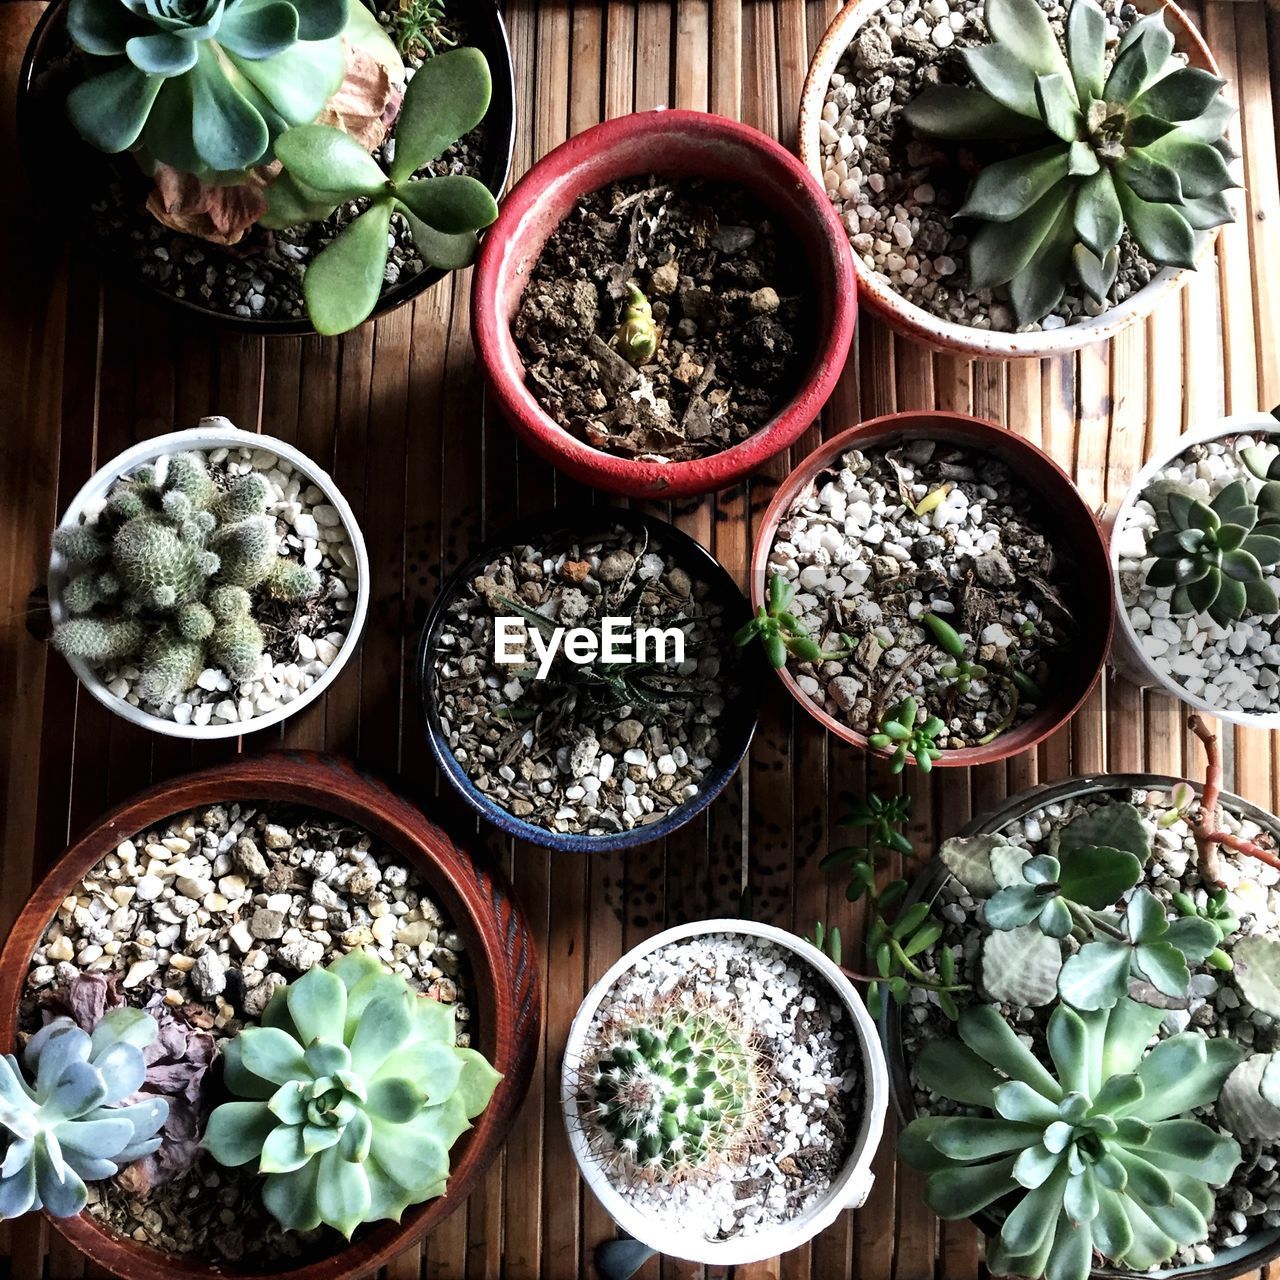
1195, 559
724, 1092
208, 583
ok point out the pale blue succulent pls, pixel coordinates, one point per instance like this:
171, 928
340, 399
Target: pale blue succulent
68, 1127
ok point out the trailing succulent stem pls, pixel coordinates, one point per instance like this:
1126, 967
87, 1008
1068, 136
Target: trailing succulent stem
353, 1091
324, 168
1132, 144
670, 1091
902, 732
68, 1123
205, 86
780, 632
1094, 1154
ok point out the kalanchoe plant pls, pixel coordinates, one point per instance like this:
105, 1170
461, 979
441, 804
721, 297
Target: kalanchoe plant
162, 577
324, 168
1133, 145
900, 733
66, 1126
205, 86
1213, 554
354, 1092
779, 631
671, 1090
1094, 1154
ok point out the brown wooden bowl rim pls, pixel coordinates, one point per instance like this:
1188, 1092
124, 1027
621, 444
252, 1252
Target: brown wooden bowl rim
478, 902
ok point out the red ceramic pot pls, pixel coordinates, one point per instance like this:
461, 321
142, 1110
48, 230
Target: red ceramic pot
679, 144
1067, 521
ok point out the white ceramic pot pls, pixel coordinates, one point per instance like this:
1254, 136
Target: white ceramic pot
1127, 655
211, 433
924, 326
849, 1190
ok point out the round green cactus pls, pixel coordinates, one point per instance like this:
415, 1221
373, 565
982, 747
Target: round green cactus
1132, 142
672, 1090
353, 1093
204, 85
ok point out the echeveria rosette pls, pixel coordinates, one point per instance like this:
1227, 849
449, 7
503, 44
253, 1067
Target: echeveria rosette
1138, 146
1094, 1154
323, 168
355, 1092
204, 85
66, 1126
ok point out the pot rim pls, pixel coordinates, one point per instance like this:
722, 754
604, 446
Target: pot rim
212, 433
502, 259
528, 530
1232, 424
946, 335
928, 882
1011, 448
849, 1190
478, 900
493, 42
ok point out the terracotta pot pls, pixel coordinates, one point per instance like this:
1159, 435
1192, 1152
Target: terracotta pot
944, 335
1068, 523
1264, 1246
479, 902
1127, 654
79, 173
678, 144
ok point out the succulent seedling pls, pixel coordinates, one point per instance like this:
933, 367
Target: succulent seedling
780, 632
1217, 911
1136, 145
961, 670
637, 335
899, 732
419, 29
324, 168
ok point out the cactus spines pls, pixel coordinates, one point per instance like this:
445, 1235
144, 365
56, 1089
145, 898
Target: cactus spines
163, 574
671, 1091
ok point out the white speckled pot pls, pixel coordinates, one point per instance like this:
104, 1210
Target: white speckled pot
1127, 655
849, 1190
924, 326
211, 433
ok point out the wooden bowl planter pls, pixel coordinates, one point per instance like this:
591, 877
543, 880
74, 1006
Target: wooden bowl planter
735, 728
1263, 1245
1127, 652
678, 144
57, 158
210, 435
945, 335
477, 901
1068, 523
848, 1190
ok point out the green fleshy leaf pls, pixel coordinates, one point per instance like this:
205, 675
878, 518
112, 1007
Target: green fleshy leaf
1098, 220
447, 97
228, 132
1096, 976
452, 253
1200, 169
328, 161
1148, 178
1182, 1073
1000, 251
1130, 1026
101, 29
1039, 286
1097, 877
983, 1029
1034, 1216
1086, 48
383, 1028
110, 110
1008, 188
272, 1054
318, 1006
1162, 233
342, 1192
1058, 106
1144, 919
323, 19
291, 1197
344, 281
915, 1146
298, 82
1263, 547
960, 1192
1095, 276
236, 1131
956, 1072
162, 53
966, 114
1023, 29
1209, 212
451, 205
257, 29
289, 204
1229, 606
1260, 599
1164, 966
1014, 906
968, 1138
1182, 95
1072, 1255
1143, 56
1192, 1148
284, 1149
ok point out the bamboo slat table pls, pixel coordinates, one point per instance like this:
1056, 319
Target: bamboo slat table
397, 412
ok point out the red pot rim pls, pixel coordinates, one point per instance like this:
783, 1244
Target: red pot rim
585, 163
1061, 498
478, 901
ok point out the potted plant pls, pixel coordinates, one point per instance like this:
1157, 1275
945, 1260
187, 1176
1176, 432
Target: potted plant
208, 583
180, 125
924, 583
1019, 179
339, 960
1050, 945
715, 1126
579, 684
1194, 549
666, 302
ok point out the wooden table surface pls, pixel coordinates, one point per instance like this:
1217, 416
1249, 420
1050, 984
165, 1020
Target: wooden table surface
397, 412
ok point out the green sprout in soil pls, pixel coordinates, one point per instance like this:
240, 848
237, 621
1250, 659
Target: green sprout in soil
637, 335
899, 732
419, 29
894, 938
961, 669
780, 632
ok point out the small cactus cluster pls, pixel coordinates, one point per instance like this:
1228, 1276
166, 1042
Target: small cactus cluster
162, 577
672, 1091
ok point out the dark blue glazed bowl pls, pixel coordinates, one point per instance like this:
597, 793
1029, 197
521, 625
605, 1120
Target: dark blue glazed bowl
734, 730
